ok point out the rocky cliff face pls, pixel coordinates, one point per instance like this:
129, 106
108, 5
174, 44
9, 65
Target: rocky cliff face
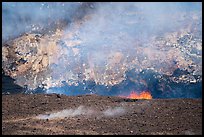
61, 57
46, 61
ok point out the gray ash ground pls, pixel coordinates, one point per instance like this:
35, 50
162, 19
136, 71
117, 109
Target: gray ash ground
139, 117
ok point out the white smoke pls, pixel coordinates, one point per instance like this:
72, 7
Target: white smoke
26, 16
81, 110
107, 40
114, 111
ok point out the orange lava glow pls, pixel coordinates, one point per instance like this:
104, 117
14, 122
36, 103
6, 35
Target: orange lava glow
142, 95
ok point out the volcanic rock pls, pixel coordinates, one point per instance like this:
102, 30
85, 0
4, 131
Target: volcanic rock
100, 115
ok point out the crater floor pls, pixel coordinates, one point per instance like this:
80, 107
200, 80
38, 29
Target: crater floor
93, 114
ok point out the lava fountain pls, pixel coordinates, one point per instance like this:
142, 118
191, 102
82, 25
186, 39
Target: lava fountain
135, 95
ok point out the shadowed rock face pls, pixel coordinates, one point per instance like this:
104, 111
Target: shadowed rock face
69, 57
9, 87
